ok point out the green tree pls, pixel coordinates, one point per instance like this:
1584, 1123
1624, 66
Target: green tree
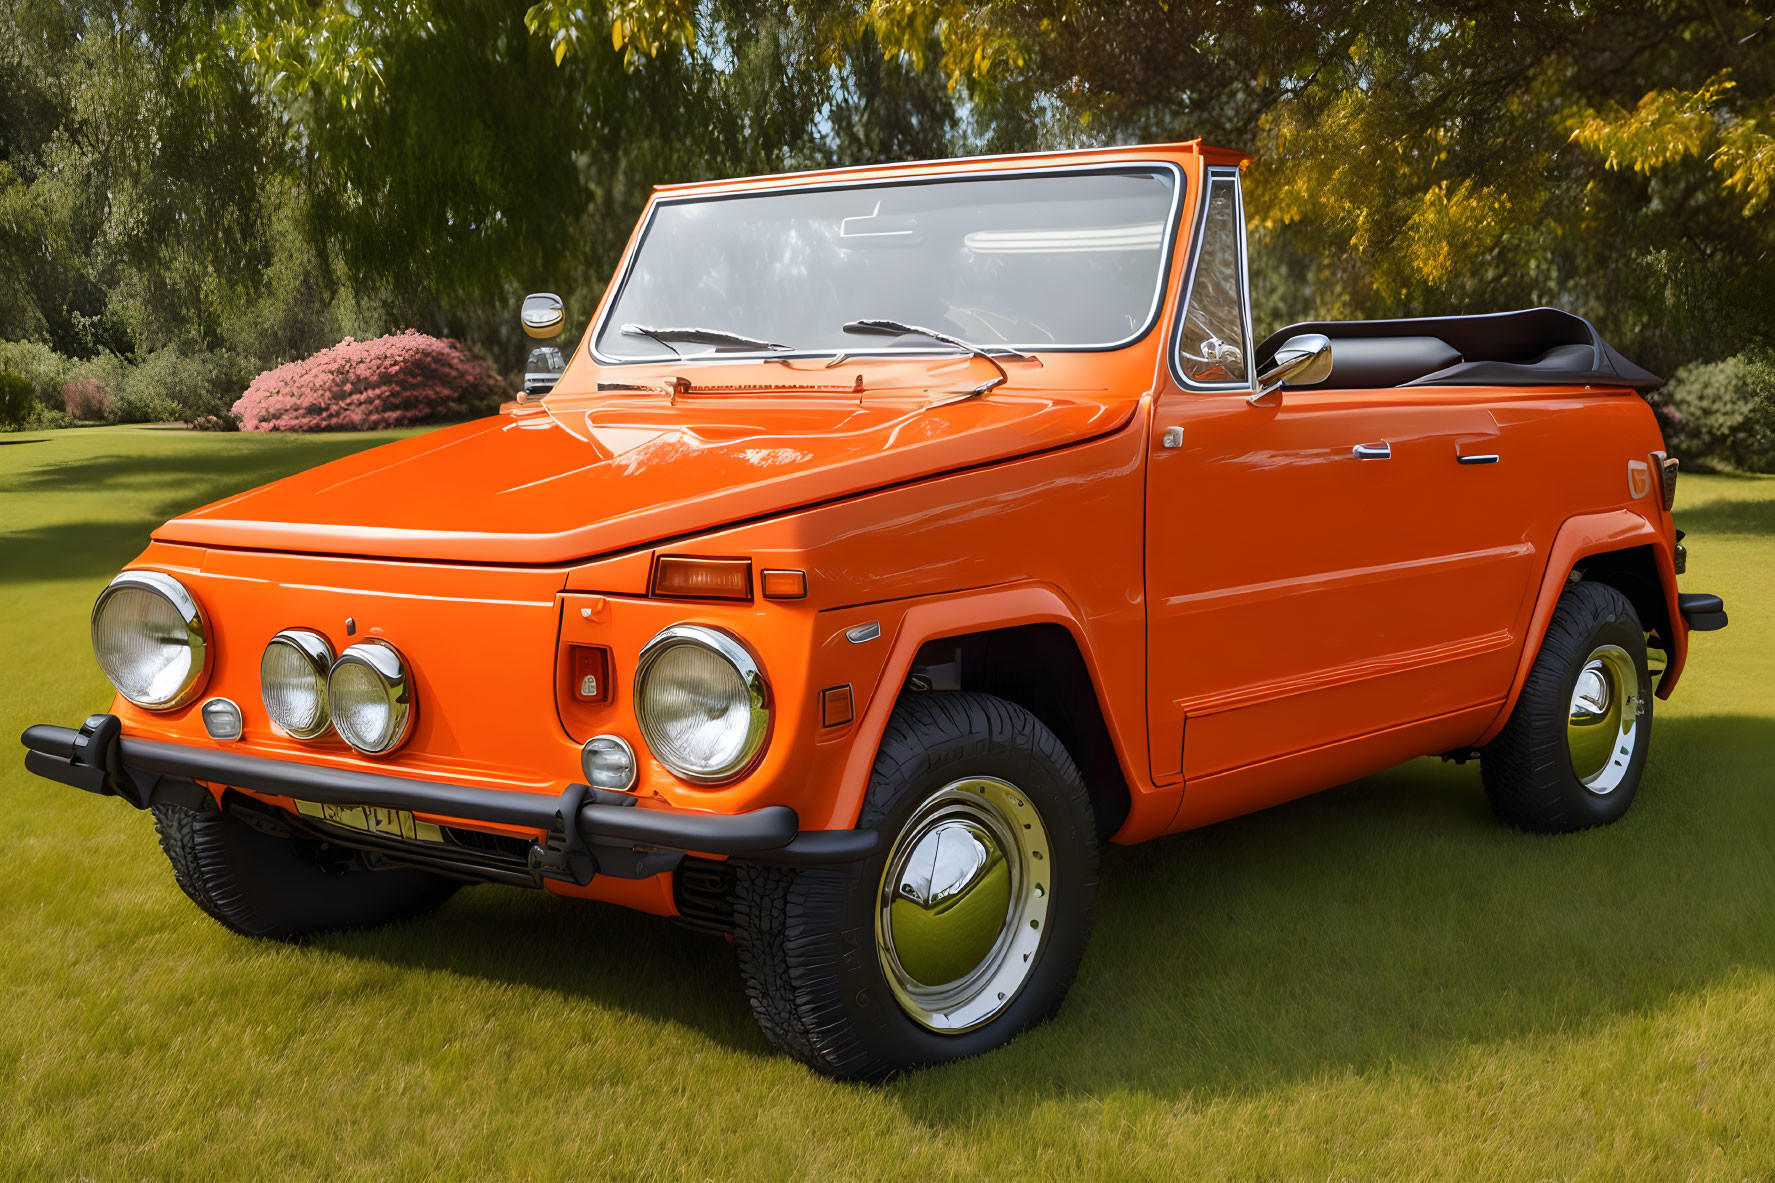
16, 400
1408, 159
129, 189
458, 152
1722, 414
260, 176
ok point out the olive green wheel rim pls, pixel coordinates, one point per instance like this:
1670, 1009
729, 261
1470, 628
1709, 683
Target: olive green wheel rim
1602, 724
964, 904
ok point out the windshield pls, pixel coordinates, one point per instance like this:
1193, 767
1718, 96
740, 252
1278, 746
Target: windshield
1037, 261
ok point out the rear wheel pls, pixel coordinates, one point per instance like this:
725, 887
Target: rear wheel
265, 885
967, 929
1573, 750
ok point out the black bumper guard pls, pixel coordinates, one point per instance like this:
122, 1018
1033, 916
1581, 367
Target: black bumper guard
590, 831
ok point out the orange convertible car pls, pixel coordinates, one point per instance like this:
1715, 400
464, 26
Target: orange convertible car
895, 536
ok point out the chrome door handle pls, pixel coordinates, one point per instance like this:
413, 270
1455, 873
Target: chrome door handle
1482, 458
1380, 451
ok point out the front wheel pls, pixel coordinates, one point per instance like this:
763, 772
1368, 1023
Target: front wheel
1571, 754
967, 929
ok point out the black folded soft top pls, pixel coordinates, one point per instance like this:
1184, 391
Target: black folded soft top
1533, 347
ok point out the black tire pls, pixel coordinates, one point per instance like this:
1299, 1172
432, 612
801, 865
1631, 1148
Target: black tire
1528, 769
262, 885
806, 937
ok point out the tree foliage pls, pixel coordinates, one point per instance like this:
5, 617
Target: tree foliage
455, 153
269, 175
148, 209
1672, 126
16, 399
1722, 414
125, 190
1609, 157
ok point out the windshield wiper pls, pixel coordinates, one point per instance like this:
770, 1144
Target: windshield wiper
896, 328
714, 337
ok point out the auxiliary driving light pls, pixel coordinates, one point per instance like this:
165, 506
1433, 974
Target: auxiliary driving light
221, 718
293, 682
608, 763
370, 697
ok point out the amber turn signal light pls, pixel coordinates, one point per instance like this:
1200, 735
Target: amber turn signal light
836, 706
686, 578
590, 671
783, 585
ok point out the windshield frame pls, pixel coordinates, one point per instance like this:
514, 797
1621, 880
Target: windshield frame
1186, 290
1168, 249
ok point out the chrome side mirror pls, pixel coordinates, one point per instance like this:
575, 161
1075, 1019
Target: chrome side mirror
1303, 360
543, 315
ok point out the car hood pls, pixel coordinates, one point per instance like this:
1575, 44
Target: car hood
588, 475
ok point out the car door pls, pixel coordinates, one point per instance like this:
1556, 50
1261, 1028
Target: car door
1319, 569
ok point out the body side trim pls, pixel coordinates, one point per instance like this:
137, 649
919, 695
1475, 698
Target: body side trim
1235, 792
1345, 675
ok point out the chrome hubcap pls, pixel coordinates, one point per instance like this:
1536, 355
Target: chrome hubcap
1602, 726
964, 904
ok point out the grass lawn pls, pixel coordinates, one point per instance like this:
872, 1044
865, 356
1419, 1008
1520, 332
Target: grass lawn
1378, 981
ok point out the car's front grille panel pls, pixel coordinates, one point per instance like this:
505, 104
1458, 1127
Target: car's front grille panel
703, 891
505, 844
503, 865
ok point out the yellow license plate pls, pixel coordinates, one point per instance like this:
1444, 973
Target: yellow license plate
372, 819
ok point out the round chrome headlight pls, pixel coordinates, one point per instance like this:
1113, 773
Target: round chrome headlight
293, 682
370, 697
150, 638
702, 703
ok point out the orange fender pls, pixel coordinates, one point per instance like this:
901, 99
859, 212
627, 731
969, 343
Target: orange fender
994, 608
1579, 538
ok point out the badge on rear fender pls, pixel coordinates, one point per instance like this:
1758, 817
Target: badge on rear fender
1639, 478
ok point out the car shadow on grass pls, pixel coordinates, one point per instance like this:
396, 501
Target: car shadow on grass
1385, 922
607, 956
156, 488
1394, 921
88, 550
235, 464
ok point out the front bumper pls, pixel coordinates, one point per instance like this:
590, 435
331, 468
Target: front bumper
589, 831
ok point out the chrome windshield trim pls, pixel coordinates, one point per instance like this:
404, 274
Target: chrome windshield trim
1167, 253
919, 167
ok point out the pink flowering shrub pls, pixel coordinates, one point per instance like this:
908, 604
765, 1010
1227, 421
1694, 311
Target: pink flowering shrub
395, 381
87, 398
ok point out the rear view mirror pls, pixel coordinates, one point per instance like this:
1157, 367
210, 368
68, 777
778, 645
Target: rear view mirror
1302, 360
878, 229
543, 315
